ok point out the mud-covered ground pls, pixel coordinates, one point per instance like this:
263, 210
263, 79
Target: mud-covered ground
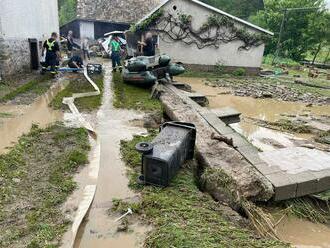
278, 88
36, 178
25, 91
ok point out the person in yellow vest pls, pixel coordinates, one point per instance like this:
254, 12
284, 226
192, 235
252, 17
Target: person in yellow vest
53, 55
115, 53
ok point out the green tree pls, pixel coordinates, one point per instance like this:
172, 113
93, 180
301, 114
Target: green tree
67, 10
296, 35
240, 8
318, 33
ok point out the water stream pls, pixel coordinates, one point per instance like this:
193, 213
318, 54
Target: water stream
99, 228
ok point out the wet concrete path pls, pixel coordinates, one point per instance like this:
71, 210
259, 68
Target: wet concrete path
99, 229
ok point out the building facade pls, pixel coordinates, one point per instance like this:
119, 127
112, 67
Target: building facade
189, 49
24, 25
97, 17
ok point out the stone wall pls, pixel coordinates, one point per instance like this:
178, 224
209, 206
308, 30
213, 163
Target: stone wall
14, 56
124, 11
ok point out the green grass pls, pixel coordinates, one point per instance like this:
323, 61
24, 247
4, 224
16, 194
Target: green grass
5, 115
181, 215
133, 97
80, 85
37, 86
36, 178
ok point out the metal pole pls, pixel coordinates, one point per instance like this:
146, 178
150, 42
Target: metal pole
286, 11
280, 36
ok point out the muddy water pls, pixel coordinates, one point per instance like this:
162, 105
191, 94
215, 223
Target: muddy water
304, 234
300, 233
264, 109
99, 228
25, 115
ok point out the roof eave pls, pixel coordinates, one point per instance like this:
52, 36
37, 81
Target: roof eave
213, 9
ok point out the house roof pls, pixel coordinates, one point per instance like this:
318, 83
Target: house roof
212, 9
122, 11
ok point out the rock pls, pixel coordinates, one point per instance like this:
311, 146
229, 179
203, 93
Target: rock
309, 105
123, 227
16, 180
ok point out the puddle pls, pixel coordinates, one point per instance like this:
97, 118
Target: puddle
25, 115
99, 229
304, 234
264, 109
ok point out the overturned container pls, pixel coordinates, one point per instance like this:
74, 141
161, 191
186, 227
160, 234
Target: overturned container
163, 157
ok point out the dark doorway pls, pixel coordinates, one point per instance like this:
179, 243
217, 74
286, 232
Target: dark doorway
34, 54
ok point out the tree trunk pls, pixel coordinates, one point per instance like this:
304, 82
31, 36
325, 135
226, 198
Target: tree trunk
317, 52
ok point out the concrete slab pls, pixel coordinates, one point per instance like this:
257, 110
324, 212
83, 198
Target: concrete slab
294, 160
217, 124
199, 98
228, 115
306, 183
284, 187
323, 180
305, 169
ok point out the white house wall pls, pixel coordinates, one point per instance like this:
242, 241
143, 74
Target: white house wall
87, 30
21, 20
227, 54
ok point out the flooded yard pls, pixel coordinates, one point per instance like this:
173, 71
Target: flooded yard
299, 232
262, 109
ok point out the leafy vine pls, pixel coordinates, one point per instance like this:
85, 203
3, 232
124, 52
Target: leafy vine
216, 31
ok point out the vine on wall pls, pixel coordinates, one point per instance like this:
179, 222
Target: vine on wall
215, 31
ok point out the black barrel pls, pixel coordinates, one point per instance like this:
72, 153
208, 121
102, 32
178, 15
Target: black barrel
163, 157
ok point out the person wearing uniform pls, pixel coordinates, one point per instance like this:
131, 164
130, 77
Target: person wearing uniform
76, 62
115, 53
52, 53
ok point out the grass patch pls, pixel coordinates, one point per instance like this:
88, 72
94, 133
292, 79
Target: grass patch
36, 86
80, 85
5, 115
181, 215
133, 97
36, 178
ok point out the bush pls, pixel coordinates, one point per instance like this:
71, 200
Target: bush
239, 72
268, 60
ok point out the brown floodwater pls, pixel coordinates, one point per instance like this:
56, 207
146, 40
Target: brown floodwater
300, 233
263, 109
304, 234
23, 116
99, 228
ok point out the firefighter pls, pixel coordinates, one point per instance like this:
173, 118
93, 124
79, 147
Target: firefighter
53, 55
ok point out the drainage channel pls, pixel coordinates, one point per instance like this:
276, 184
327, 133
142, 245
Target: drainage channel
25, 115
99, 229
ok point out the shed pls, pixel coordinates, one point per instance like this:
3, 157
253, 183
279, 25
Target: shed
203, 37
95, 18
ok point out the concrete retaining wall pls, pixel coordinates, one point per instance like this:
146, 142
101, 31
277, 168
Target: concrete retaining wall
217, 156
